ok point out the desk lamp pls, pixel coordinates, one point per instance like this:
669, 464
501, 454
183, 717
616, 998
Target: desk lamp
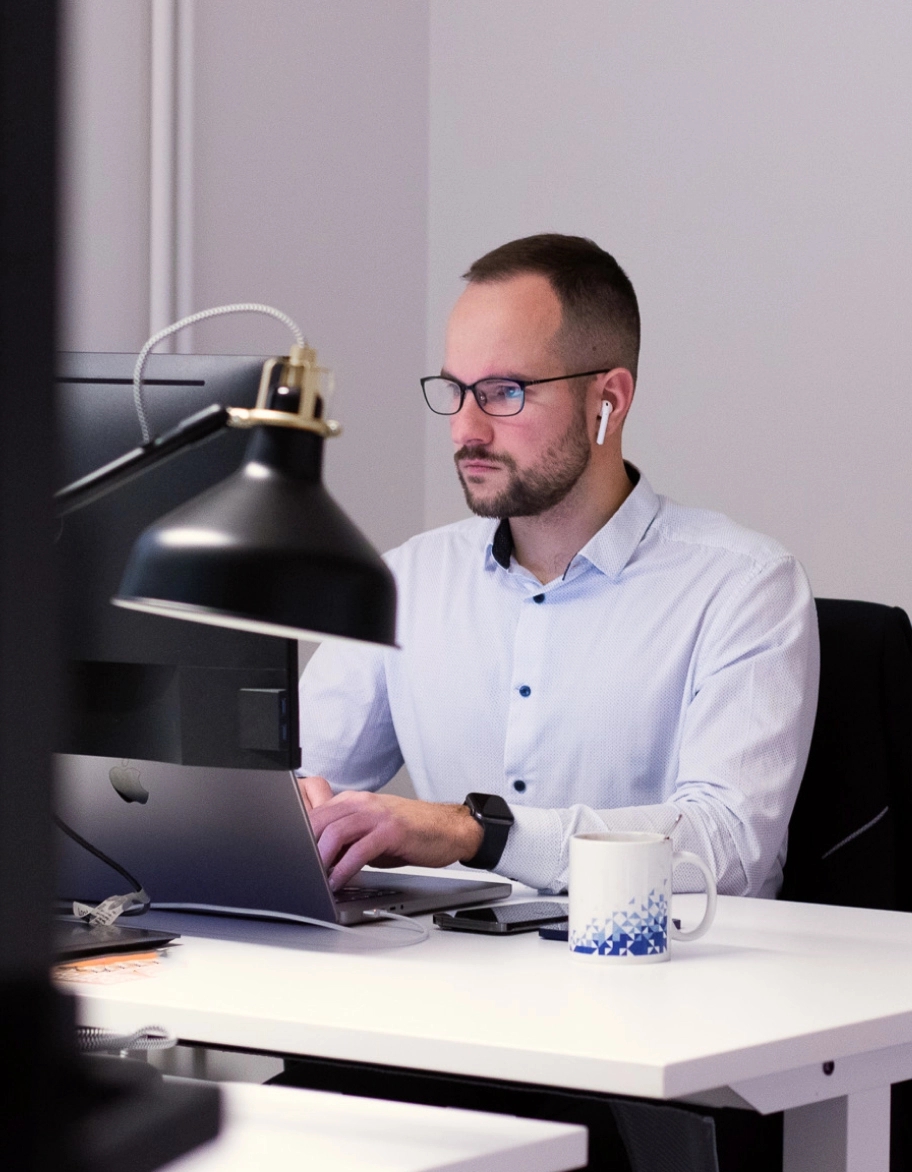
268, 549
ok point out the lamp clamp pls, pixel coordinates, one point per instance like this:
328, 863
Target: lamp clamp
300, 373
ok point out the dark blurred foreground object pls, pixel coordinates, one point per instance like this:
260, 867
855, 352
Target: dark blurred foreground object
59, 1111
126, 1116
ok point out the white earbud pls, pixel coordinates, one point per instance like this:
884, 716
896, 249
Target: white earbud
603, 424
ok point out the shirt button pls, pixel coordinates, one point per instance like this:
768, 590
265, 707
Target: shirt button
538, 598
519, 786
525, 690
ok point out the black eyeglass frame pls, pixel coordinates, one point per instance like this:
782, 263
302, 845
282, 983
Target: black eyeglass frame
518, 382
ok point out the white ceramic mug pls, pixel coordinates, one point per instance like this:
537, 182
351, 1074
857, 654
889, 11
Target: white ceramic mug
620, 896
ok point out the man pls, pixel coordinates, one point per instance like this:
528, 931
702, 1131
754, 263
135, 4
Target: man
592, 654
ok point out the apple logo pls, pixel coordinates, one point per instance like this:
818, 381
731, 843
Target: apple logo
125, 779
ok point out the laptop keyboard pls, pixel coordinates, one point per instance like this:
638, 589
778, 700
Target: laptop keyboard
349, 894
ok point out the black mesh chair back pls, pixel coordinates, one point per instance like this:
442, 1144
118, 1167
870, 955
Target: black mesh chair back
855, 804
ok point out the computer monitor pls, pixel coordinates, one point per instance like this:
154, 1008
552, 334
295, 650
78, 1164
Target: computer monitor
141, 686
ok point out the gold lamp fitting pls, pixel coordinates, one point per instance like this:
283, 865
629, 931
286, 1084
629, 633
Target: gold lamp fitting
301, 373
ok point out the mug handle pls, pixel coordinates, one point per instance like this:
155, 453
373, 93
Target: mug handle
703, 927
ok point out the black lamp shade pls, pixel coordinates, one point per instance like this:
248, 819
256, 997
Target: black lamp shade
266, 550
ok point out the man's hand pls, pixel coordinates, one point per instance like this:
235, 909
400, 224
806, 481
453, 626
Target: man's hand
314, 791
354, 829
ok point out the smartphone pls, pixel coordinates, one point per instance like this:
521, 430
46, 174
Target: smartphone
560, 932
502, 919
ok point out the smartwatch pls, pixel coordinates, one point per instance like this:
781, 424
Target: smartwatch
495, 818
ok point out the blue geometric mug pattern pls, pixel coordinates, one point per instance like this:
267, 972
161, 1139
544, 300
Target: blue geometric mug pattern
632, 932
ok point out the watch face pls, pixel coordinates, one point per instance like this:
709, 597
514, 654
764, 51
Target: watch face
496, 807
489, 806
495, 818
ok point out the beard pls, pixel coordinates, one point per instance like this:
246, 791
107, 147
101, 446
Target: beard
530, 492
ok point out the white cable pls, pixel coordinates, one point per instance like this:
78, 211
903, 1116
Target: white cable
413, 926
290, 917
217, 311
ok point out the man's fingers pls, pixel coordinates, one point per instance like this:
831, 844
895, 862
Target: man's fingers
342, 834
347, 804
358, 855
354, 829
350, 844
314, 792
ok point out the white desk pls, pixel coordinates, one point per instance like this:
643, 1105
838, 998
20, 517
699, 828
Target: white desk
285, 1130
751, 1014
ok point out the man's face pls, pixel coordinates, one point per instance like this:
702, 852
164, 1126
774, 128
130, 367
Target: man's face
519, 465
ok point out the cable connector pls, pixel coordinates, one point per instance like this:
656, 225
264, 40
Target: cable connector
417, 929
110, 909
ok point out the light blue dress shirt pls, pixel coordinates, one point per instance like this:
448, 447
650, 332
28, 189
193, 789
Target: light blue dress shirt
672, 670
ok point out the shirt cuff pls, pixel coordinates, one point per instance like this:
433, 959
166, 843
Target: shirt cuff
538, 847
533, 852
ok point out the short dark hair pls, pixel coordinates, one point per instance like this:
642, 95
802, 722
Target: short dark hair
600, 317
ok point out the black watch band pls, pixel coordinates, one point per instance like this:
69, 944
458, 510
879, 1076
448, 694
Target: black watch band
495, 818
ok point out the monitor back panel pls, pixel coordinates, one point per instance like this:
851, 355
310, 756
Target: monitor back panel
143, 685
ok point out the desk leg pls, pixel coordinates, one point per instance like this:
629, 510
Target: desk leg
849, 1134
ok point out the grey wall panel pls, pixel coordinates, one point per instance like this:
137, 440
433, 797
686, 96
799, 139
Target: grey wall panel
104, 160
311, 193
307, 139
751, 169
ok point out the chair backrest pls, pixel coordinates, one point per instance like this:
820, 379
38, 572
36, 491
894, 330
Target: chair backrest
661, 1138
853, 815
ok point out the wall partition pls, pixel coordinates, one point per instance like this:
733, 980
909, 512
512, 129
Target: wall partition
750, 166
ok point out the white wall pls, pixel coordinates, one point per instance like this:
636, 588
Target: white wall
308, 126
311, 194
750, 166
104, 207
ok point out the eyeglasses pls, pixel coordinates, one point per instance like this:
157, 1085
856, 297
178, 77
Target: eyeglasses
495, 396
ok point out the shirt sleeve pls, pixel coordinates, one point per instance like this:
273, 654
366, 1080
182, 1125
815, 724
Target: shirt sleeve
744, 743
347, 732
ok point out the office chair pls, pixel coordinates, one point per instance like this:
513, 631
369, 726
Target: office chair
855, 803
666, 1139
853, 816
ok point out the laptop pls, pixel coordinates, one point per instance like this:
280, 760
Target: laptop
224, 838
75, 939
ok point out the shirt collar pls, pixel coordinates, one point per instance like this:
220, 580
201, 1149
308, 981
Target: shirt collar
611, 548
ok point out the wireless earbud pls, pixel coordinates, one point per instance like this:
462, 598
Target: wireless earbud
603, 423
